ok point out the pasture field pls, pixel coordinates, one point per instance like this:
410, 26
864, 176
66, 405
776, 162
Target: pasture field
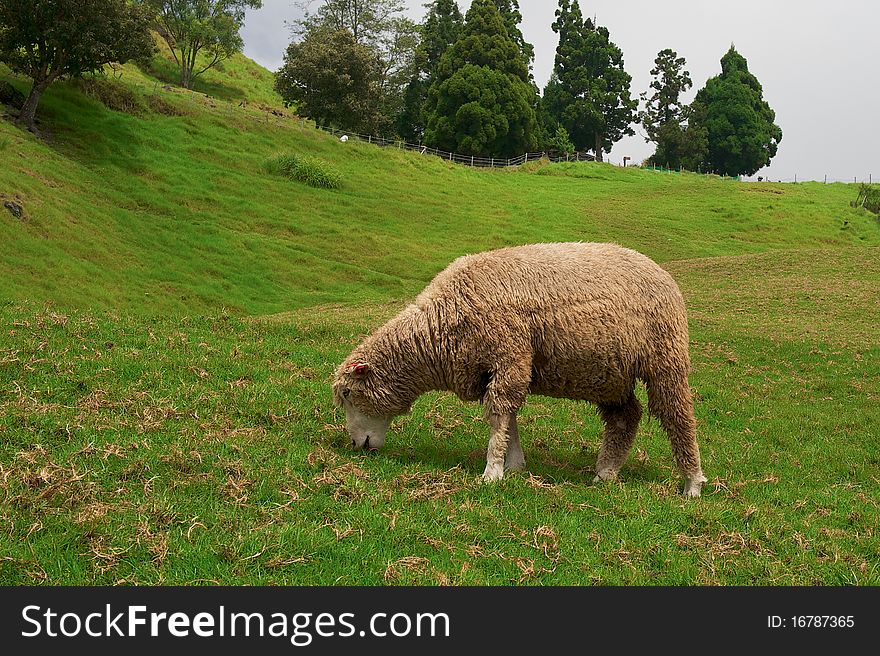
171, 313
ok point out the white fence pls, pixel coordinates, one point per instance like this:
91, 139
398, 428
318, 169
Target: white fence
468, 160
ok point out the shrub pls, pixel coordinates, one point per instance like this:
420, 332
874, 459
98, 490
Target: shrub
113, 95
869, 198
161, 106
561, 142
311, 171
11, 96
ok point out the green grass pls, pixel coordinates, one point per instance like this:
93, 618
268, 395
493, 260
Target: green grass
171, 314
207, 449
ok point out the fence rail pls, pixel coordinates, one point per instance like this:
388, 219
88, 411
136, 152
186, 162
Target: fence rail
500, 162
467, 160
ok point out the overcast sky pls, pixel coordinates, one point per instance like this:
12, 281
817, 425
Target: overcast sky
818, 61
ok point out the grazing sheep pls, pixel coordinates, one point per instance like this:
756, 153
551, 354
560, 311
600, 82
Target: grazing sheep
571, 320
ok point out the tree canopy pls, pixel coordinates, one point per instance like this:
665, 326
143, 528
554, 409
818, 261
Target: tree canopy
740, 125
381, 26
440, 29
481, 101
509, 10
670, 81
190, 27
333, 80
50, 39
589, 94
679, 143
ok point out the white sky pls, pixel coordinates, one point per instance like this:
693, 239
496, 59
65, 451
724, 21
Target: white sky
818, 62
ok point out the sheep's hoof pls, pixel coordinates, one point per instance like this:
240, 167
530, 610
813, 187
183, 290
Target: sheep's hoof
493, 473
693, 485
605, 475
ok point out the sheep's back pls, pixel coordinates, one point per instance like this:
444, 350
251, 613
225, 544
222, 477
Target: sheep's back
593, 316
547, 277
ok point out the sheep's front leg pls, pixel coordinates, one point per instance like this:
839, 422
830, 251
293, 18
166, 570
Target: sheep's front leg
505, 395
515, 459
502, 427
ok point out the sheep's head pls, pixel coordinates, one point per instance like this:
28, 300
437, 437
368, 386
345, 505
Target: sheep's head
354, 389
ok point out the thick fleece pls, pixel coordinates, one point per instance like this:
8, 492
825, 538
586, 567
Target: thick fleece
573, 320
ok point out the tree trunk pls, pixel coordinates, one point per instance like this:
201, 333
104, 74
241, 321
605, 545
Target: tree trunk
28, 111
187, 61
599, 140
185, 76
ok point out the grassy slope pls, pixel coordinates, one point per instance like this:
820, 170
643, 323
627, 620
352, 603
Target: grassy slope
175, 214
145, 446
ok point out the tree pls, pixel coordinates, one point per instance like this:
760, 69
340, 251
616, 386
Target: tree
381, 26
367, 20
548, 111
592, 100
50, 39
441, 28
679, 144
670, 81
481, 101
333, 80
509, 10
560, 141
190, 27
741, 132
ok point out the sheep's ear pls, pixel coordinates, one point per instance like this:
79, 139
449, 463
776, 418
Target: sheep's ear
359, 369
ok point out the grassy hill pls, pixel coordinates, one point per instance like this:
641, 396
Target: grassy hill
172, 312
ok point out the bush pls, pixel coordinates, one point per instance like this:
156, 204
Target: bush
11, 96
311, 171
161, 106
113, 95
561, 142
869, 198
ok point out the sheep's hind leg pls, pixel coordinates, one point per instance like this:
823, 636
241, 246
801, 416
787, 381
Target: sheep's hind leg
515, 459
621, 422
499, 440
670, 401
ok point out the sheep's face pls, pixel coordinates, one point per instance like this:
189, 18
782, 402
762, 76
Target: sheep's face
366, 432
365, 426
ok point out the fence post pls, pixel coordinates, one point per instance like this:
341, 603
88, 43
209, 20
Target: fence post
826, 178
472, 160
527, 159
492, 162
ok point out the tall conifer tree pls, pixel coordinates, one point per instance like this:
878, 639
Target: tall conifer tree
509, 10
481, 101
441, 28
681, 143
591, 94
742, 133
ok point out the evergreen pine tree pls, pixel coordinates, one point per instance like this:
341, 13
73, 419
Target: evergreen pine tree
665, 118
441, 28
509, 10
742, 134
481, 101
592, 100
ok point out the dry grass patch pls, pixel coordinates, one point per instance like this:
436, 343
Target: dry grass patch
424, 486
412, 570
